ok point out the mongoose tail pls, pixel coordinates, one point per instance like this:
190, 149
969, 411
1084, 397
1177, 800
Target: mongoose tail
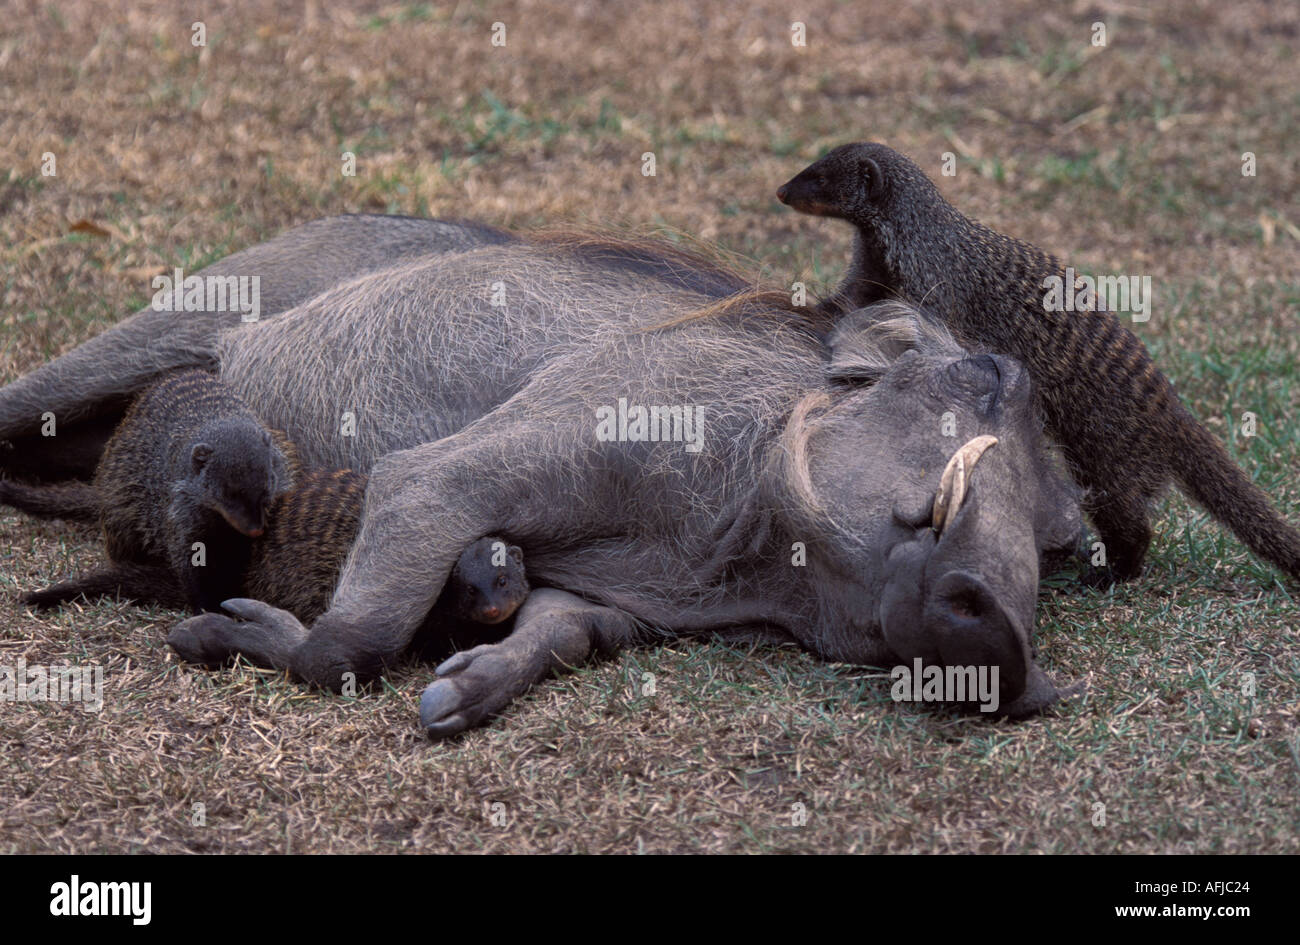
142, 583
1210, 478
77, 501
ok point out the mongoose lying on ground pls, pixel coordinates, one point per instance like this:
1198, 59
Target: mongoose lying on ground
184, 486
295, 563
1116, 417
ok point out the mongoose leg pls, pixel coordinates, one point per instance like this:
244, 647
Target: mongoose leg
206, 594
142, 583
220, 577
555, 631
1124, 531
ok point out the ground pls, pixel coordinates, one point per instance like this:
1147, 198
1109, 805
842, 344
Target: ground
1123, 158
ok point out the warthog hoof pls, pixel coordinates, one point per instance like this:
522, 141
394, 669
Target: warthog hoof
472, 685
214, 639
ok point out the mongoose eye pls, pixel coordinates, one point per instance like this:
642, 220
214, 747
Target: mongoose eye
501, 580
472, 591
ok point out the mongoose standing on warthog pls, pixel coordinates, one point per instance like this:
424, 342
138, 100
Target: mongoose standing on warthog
189, 465
1117, 418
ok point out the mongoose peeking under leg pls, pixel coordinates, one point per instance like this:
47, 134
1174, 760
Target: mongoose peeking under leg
1118, 420
296, 564
486, 587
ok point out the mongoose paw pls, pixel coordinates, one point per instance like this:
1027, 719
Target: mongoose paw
472, 685
1099, 579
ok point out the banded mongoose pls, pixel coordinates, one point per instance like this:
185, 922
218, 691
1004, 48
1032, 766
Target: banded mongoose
1118, 420
186, 483
295, 563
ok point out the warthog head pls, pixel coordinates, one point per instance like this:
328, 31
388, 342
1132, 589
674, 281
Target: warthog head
932, 491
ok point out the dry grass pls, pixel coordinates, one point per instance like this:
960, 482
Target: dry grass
1124, 159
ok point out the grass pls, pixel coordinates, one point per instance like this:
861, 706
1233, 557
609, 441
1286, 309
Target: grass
1123, 160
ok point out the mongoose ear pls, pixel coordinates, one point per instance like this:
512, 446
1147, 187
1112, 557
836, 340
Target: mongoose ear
266, 437
200, 455
517, 553
874, 178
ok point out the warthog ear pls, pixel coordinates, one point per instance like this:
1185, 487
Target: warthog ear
865, 342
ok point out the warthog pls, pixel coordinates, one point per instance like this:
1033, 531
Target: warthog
674, 455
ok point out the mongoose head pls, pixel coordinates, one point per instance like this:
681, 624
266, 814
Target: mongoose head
237, 471
862, 183
890, 201
489, 583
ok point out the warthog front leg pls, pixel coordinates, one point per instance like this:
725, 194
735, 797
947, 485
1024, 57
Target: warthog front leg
554, 631
422, 508
419, 515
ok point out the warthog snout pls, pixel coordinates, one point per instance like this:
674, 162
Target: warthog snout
961, 593
970, 628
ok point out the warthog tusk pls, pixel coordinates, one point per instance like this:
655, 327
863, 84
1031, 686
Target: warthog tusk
956, 475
